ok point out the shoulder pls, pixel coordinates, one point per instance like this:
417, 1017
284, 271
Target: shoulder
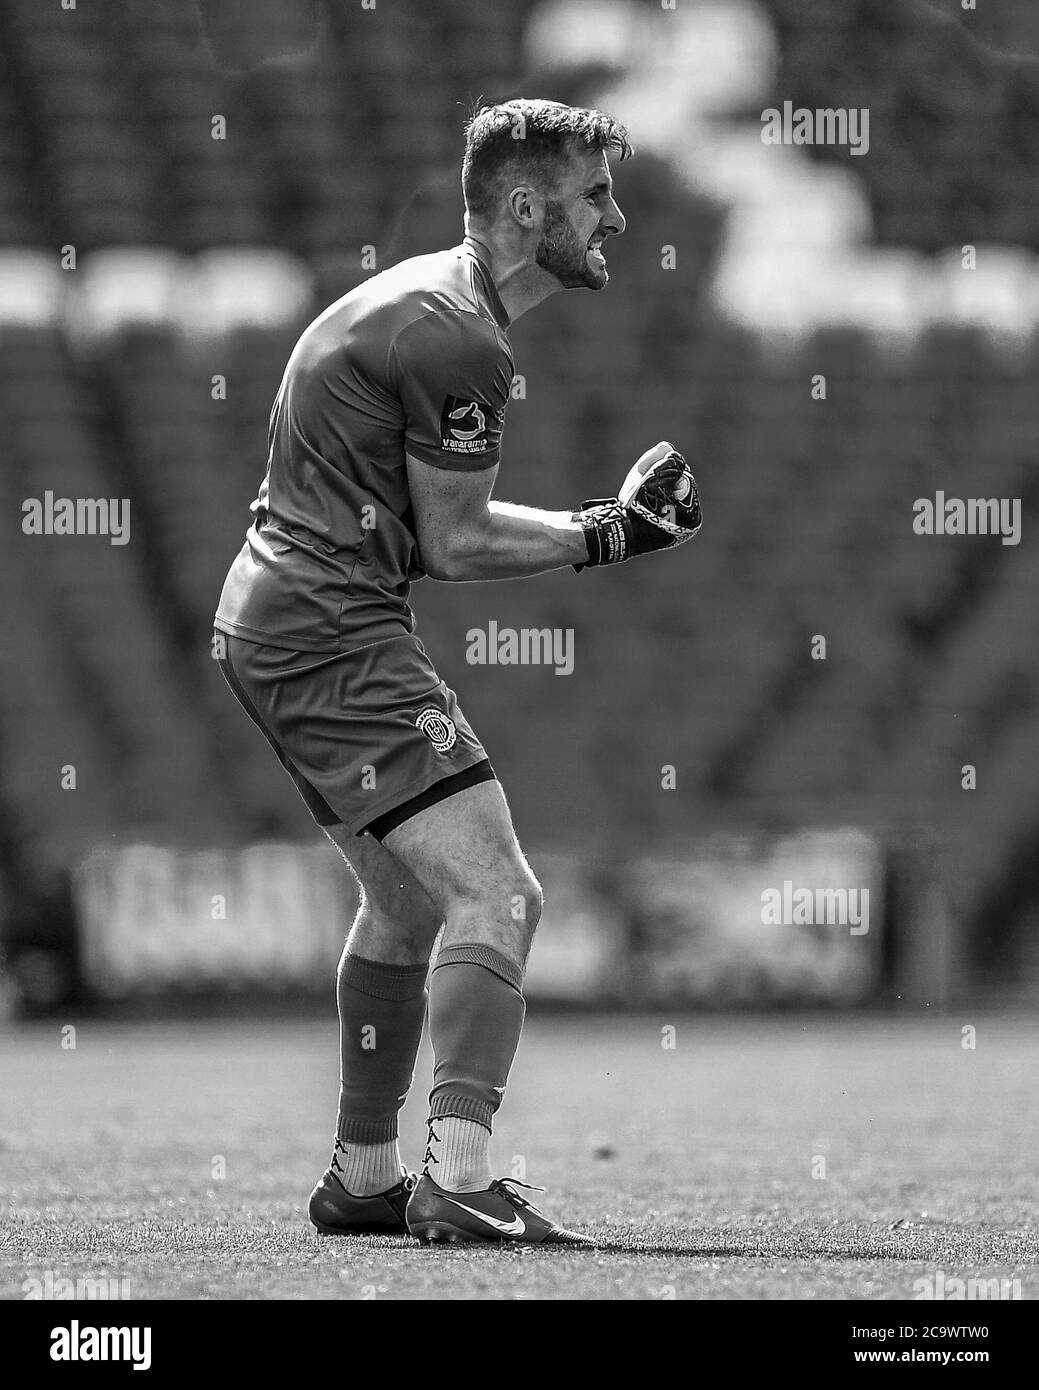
461, 333
438, 308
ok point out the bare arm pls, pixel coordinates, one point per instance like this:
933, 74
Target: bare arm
463, 535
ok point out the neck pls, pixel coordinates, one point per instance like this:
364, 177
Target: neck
519, 280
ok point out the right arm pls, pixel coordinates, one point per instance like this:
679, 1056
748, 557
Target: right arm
453, 372
453, 376
463, 535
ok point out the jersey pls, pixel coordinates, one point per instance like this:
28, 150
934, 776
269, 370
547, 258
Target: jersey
413, 361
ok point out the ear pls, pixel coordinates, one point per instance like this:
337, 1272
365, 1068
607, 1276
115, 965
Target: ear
527, 207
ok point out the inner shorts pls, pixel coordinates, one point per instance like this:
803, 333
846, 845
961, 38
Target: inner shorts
370, 737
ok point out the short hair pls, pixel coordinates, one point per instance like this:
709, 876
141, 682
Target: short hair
529, 138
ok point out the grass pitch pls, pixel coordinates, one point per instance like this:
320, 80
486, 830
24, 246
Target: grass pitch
782, 1158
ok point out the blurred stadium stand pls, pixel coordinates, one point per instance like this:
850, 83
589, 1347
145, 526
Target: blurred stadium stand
201, 258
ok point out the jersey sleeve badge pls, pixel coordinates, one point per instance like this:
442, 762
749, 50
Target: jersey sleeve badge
468, 427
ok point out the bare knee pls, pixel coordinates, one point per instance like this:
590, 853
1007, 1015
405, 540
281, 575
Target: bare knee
502, 912
407, 905
527, 900
402, 932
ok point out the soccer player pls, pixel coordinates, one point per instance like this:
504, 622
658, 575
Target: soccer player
384, 449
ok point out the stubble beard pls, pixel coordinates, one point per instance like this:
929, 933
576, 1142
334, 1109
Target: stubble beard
561, 252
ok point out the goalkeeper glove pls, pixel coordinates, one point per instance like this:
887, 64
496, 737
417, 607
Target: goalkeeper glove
658, 507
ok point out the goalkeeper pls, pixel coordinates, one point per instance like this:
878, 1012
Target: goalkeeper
384, 450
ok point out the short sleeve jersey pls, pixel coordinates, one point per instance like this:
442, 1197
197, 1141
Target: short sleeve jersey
413, 361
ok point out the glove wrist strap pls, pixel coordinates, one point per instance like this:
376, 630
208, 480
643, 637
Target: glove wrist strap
607, 531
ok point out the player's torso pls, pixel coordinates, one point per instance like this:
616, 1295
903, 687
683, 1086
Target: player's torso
330, 558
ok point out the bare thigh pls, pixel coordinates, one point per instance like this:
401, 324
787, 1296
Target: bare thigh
464, 853
397, 922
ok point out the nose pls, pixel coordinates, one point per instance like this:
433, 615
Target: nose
614, 221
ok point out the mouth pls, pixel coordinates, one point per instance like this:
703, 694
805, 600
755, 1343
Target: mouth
595, 254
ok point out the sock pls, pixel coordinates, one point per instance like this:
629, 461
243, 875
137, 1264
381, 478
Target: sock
475, 1019
381, 1011
365, 1169
458, 1154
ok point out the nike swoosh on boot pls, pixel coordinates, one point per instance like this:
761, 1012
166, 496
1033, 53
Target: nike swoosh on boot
498, 1214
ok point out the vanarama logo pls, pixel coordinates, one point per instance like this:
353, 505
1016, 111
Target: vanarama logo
525, 646
469, 427
804, 907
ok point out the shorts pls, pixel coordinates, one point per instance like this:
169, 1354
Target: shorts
370, 737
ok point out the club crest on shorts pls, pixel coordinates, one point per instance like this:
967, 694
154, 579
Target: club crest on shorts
438, 727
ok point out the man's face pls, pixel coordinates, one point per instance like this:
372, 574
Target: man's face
577, 221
